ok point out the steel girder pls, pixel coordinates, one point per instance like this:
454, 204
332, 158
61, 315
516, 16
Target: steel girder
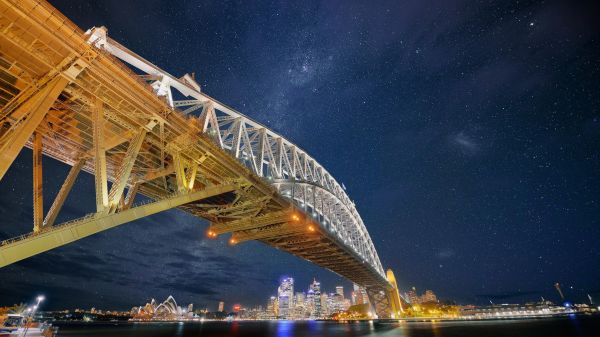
20, 248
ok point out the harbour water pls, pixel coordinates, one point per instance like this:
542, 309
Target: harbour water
549, 327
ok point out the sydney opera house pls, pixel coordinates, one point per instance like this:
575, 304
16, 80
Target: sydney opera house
167, 310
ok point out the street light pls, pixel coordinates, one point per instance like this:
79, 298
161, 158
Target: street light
31, 312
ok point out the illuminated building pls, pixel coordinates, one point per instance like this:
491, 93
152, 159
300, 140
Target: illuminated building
300, 298
315, 287
428, 297
325, 310
300, 306
360, 295
285, 295
221, 306
310, 303
340, 291
272, 308
167, 310
413, 297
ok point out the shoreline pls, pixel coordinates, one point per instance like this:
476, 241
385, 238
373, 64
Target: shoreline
375, 321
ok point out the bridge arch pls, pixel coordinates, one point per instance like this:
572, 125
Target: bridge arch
73, 96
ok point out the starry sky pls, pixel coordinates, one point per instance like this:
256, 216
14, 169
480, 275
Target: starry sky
467, 132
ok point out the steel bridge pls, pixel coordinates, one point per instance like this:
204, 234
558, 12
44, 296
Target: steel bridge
89, 102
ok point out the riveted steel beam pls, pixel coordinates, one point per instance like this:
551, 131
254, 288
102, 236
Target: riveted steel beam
63, 193
100, 175
32, 111
29, 245
124, 171
38, 198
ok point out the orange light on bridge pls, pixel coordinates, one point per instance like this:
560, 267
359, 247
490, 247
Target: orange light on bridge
311, 228
211, 234
232, 241
295, 217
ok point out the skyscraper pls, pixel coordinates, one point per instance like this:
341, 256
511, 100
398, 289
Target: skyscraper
299, 306
221, 306
299, 299
316, 289
340, 291
285, 294
360, 295
310, 303
412, 296
272, 308
325, 310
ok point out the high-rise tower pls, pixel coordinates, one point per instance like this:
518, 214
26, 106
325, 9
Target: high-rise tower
285, 294
315, 287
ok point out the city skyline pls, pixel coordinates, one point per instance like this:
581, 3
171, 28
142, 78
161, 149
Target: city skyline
469, 145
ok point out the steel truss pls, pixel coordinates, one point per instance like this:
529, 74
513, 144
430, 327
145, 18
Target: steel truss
68, 94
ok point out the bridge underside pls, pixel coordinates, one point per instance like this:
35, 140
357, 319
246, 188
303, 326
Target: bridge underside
70, 100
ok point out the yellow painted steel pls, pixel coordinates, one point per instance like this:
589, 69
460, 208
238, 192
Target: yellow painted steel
38, 197
35, 108
63, 193
394, 295
75, 230
100, 175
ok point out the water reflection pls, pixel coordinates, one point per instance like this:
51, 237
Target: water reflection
436, 329
559, 327
179, 330
284, 328
234, 329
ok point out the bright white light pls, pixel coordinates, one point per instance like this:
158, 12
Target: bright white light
40, 298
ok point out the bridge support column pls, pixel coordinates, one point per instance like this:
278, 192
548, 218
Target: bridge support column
124, 171
38, 197
190, 176
62, 194
100, 176
182, 183
131, 193
379, 301
386, 300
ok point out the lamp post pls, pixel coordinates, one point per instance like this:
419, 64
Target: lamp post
39, 300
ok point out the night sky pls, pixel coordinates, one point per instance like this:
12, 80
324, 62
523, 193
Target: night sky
467, 133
